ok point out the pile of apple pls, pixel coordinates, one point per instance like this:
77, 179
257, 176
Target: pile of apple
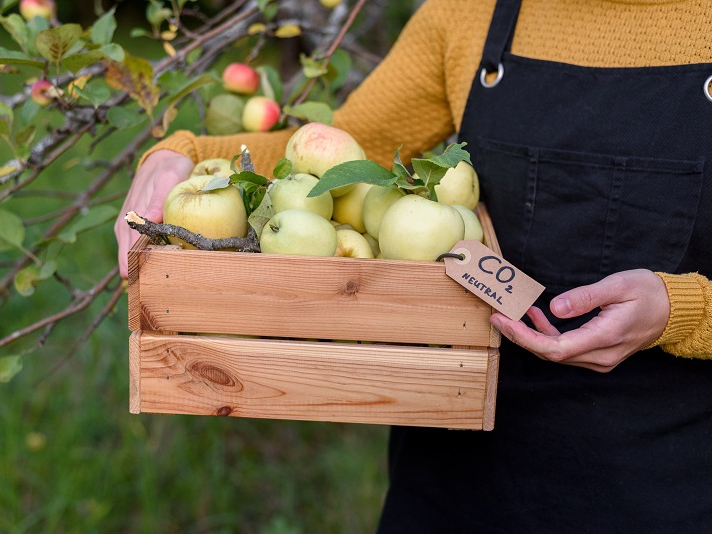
357, 220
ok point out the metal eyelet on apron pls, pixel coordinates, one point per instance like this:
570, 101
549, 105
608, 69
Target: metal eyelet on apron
498, 78
706, 88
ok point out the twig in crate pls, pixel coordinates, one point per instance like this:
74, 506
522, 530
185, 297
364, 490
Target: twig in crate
161, 230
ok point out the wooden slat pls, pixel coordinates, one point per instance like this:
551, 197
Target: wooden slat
134, 288
135, 372
490, 396
376, 384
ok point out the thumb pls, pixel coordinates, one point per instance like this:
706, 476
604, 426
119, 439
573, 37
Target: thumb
584, 299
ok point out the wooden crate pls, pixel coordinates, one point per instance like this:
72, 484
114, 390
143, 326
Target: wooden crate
307, 338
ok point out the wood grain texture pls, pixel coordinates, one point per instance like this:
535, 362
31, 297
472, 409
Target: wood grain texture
339, 382
134, 287
135, 372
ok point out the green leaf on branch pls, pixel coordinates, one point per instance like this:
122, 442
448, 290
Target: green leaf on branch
193, 85
282, 169
9, 367
77, 62
268, 8
312, 112
134, 75
26, 280
261, 214
432, 170
102, 32
13, 57
95, 92
12, 231
338, 69
352, 172
55, 43
122, 118
15, 25
270, 82
6, 118
312, 68
93, 218
219, 182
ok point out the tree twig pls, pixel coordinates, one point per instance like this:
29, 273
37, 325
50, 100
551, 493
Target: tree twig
158, 230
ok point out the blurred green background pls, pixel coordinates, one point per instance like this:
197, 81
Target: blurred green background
72, 458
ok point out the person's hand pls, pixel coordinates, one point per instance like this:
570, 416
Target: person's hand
634, 312
160, 172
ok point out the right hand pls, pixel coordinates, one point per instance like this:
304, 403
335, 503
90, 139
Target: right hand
159, 173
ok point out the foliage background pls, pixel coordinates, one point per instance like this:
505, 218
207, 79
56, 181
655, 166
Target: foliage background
72, 459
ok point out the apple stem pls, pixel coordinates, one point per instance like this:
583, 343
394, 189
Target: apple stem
161, 231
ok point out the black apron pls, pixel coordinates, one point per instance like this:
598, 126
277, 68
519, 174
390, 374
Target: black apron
585, 172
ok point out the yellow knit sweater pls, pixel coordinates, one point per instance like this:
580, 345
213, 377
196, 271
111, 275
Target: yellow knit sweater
417, 95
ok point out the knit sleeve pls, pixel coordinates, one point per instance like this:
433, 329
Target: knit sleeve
403, 102
689, 330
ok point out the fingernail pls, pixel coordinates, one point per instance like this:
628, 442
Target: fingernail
562, 306
496, 323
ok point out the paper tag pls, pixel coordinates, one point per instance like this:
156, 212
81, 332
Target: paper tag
492, 278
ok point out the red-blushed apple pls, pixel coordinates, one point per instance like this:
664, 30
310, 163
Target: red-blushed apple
377, 201
351, 244
215, 214
260, 114
315, 148
298, 232
30, 9
473, 227
43, 92
460, 185
415, 228
291, 194
240, 78
348, 208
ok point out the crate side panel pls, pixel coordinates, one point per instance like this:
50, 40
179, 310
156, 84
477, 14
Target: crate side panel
306, 297
313, 381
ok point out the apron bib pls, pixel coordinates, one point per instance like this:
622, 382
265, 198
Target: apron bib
585, 172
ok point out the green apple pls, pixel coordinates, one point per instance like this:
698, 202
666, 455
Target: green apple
214, 214
473, 227
460, 185
377, 201
298, 232
351, 244
415, 228
291, 194
213, 167
315, 148
373, 242
348, 208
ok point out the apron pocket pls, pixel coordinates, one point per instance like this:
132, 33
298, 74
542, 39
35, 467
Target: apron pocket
582, 216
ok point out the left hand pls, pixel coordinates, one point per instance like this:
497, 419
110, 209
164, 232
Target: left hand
634, 312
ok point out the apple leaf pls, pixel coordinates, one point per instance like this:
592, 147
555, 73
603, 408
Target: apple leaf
26, 280
93, 217
12, 231
15, 26
432, 170
219, 182
398, 167
135, 76
95, 92
13, 57
268, 8
271, 82
282, 169
351, 172
261, 215
55, 43
312, 112
121, 118
312, 68
9, 367
103, 29
247, 177
77, 62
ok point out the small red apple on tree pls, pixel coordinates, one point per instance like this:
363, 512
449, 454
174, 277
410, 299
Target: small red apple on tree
240, 78
260, 114
30, 9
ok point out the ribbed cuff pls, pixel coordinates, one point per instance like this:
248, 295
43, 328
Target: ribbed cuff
182, 141
687, 307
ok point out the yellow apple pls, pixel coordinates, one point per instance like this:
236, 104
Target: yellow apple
315, 148
260, 114
213, 167
460, 185
377, 201
415, 228
298, 232
214, 214
351, 244
473, 227
291, 193
348, 208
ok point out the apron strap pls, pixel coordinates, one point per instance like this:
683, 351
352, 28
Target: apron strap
501, 33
